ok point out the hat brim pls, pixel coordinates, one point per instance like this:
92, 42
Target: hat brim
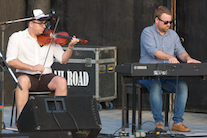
43, 18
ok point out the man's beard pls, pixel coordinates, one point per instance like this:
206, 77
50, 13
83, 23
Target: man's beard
165, 29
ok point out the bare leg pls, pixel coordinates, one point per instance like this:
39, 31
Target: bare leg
59, 84
22, 95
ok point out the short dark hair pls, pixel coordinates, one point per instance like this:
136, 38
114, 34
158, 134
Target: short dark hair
160, 10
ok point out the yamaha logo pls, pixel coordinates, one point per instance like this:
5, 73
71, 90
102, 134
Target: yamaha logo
75, 78
140, 67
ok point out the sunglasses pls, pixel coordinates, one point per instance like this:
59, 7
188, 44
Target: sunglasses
166, 22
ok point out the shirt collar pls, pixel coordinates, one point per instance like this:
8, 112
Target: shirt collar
26, 34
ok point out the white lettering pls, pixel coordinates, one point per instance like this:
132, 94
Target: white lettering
140, 67
55, 72
86, 78
74, 78
69, 78
80, 80
59, 73
160, 72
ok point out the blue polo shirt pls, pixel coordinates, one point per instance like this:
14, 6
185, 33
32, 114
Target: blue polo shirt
152, 40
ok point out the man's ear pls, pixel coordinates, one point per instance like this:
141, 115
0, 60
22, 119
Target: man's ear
29, 23
156, 19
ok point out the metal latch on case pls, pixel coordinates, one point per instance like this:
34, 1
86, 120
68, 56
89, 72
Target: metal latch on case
88, 62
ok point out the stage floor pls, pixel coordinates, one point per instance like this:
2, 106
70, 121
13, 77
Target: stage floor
112, 120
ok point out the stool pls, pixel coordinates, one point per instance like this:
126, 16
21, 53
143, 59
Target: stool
143, 90
30, 93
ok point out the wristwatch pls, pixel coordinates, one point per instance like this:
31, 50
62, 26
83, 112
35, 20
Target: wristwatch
71, 48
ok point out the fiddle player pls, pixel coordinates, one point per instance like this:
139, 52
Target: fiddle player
28, 58
159, 44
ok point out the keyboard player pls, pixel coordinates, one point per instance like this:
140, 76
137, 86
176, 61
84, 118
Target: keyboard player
159, 44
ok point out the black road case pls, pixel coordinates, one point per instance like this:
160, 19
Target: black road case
91, 71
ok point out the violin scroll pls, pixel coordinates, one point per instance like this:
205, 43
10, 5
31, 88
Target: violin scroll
83, 41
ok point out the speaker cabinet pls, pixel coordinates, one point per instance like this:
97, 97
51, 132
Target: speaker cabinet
78, 114
56, 134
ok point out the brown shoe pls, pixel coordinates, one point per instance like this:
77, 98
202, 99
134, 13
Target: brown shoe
180, 127
159, 125
15, 129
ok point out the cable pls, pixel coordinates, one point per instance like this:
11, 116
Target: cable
169, 120
169, 123
116, 131
124, 126
57, 121
73, 120
176, 89
146, 122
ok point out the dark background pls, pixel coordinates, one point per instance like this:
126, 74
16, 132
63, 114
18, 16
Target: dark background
117, 23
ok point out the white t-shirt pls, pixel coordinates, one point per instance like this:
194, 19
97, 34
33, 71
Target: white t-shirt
23, 47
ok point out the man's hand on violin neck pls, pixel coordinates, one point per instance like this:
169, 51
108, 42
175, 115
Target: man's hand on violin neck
38, 67
73, 42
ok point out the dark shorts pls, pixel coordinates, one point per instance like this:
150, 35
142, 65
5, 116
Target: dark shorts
36, 84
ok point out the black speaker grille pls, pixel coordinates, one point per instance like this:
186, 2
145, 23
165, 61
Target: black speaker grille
78, 114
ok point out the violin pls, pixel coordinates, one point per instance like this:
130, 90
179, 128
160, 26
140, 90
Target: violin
60, 38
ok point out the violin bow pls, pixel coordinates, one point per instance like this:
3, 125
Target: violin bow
50, 45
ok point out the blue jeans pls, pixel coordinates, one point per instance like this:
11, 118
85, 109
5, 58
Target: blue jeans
179, 87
